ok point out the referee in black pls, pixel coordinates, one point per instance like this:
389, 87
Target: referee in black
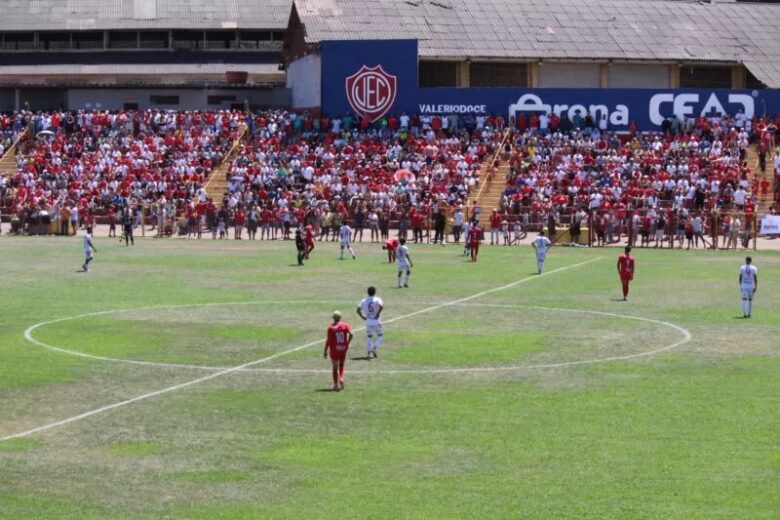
127, 224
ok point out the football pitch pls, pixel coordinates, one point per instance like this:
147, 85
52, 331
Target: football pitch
185, 379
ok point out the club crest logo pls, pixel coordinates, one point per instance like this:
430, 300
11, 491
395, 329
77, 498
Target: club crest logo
371, 92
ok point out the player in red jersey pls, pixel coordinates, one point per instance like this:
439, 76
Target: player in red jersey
475, 238
337, 343
308, 240
625, 267
391, 246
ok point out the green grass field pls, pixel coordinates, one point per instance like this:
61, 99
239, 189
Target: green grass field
539, 397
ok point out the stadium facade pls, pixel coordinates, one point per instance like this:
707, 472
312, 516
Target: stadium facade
631, 60
113, 54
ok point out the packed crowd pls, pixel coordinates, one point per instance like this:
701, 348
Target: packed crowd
297, 169
691, 180
89, 162
292, 170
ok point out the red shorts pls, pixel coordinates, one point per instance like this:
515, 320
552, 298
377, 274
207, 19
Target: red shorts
626, 277
474, 246
338, 356
309, 243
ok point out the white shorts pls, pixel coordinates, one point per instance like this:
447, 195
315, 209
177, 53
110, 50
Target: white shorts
373, 327
345, 243
747, 293
541, 255
88, 254
403, 266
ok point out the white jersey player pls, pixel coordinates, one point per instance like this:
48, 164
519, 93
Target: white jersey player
88, 249
345, 233
541, 245
370, 310
748, 284
404, 262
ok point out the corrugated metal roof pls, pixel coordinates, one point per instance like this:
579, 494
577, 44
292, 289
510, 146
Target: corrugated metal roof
55, 15
140, 69
561, 29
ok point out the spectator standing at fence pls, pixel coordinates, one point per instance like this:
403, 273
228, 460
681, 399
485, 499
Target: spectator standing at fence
495, 227
360, 223
698, 231
74, 219
64, 219
439, 224
457, 224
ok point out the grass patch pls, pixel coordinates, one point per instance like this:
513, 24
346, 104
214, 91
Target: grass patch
467, 349
134, 449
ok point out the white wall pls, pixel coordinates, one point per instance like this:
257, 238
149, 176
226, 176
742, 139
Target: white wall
189, 99
569, 75
304, 79
637, 76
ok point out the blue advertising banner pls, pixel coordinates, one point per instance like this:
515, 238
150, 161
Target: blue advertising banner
379, 77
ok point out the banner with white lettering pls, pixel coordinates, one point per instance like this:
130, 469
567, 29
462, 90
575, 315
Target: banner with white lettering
770, 225
379, 78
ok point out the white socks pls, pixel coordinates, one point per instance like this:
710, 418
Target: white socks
372, 344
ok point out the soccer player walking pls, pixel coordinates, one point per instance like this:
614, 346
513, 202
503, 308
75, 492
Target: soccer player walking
89, 248
127, 225
541, 244
337, 345
346, 234
369, 310
475, 239
748, 284
625, 267
300, 245
404, 262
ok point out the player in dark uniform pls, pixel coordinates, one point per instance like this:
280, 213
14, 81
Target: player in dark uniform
127, 225
300, 245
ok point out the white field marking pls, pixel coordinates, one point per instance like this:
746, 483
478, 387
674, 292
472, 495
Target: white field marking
29, 337
686, 337
237, 368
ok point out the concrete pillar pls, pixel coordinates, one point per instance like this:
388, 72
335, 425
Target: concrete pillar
604, 80
738, 76
463, 74
674, 76
533, 75
17, 99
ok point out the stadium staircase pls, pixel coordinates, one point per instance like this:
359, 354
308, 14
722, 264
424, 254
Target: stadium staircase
762, 203
490, 192
217, 183
8, 161
8, 166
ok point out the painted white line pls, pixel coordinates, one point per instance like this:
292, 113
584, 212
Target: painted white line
29, 337
237, 368
686, 337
